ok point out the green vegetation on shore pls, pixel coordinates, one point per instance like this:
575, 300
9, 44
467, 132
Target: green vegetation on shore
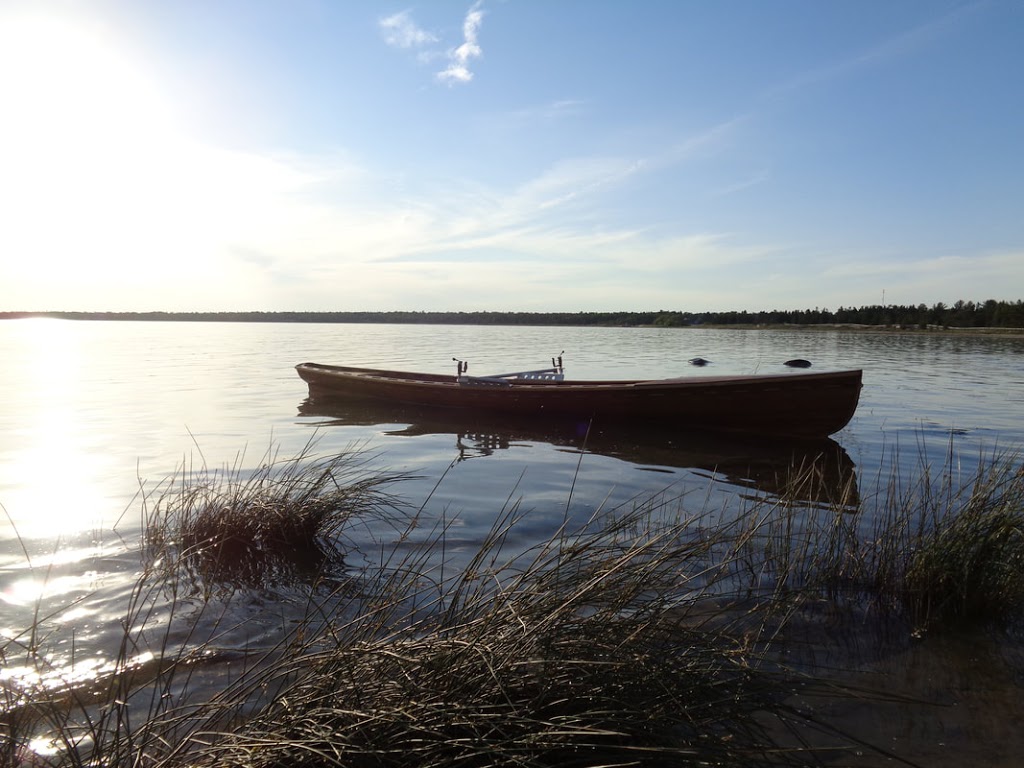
962, 314
649, 634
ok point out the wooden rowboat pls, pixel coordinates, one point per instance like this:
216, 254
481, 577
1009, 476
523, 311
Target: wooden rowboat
810, 405
796, 405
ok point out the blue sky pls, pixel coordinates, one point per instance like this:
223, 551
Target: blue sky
527, 155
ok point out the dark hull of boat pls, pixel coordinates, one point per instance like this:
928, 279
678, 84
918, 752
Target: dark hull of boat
797, 405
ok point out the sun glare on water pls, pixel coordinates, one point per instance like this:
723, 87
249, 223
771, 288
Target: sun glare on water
54, 480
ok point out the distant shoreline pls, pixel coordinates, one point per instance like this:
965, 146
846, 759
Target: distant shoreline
535, 319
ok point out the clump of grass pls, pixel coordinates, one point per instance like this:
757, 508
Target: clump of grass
277, 522
967, 565
939, 552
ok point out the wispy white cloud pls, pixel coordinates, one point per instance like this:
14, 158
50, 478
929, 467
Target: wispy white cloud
459, 58
534, 237
401, 31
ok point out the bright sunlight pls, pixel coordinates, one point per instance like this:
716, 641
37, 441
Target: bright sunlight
81, 130
102, 191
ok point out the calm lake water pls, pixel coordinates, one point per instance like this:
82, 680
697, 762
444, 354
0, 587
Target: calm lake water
92, 412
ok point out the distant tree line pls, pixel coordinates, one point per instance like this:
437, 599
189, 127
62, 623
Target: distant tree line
962, 314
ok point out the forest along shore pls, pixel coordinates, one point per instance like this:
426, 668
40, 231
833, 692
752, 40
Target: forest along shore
990, 316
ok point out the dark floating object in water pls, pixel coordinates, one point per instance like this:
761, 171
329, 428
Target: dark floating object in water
698, 361
798, 363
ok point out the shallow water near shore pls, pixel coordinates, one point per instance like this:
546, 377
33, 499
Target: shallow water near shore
97, 413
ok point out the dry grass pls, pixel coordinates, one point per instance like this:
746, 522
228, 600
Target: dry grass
603, 646
648, 635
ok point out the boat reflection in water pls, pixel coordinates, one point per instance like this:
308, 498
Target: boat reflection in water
817, 471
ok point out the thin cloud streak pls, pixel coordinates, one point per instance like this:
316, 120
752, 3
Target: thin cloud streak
739, 186
897, 46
